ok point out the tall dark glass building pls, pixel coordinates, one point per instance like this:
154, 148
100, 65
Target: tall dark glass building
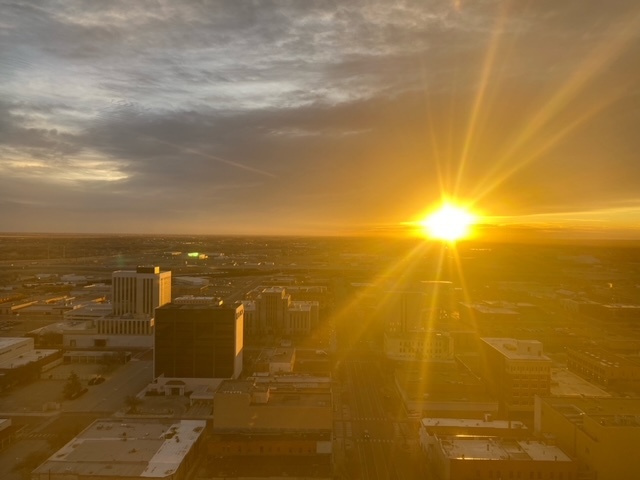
198, 338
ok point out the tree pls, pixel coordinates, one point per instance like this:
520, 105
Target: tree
73, 386
133, 403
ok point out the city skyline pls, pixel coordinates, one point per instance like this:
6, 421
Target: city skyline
317, 118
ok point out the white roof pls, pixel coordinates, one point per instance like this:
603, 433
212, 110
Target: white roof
492, 448
117, 448
471, 423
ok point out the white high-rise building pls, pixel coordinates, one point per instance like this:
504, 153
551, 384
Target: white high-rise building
141, 291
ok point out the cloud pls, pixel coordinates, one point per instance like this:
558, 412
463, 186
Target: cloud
306, 115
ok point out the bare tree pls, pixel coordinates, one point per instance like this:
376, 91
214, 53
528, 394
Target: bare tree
132, 402
73, 386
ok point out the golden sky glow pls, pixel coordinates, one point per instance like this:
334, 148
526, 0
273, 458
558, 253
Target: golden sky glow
448, 223
323, 119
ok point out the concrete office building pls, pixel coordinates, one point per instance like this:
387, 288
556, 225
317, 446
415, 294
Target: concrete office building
421, 306
20, 361
274, 428
8, 433
404, 311
515, 371
126, 324
442, 426
483, 316
604, 367
602, 433
94, 327
418, 345
140, 291
275, 360
442, 389
481, 457
198, 339
273, 311
126, 450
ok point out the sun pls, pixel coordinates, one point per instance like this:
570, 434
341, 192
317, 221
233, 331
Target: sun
448, 223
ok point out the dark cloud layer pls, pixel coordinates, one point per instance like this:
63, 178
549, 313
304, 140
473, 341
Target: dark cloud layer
314, 117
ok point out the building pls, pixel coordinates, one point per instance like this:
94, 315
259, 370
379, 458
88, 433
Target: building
621, 312
439, 297
94, 327
418, 345
101, 330
273, 311
403, 310
112, 449
277, 406
275, 360
487, 427
8, 433
20, 362
309, 293
140, 291
484, 316
198, 339
604, 367
313, 362
274, 428
421, 306
515, 371
442, 389
482, 457
602, 433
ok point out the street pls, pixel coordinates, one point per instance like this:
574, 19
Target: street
375, 438
109, 396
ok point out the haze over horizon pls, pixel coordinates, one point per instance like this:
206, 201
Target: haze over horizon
279, 117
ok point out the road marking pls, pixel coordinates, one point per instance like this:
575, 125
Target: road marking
38, 435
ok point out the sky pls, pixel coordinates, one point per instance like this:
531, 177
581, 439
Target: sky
317, 117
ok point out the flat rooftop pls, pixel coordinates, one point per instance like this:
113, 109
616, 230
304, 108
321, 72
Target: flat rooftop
493, 448
490, 309
604, 357
6, 342
295, 379
300, 394
443, 380
243, 406
413, 334
117, 448
566, 383
214, 305
306, 288
621, 306
515, 349
27, 358
273, 290
471, 423
575, 408
302, 305
281, 354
